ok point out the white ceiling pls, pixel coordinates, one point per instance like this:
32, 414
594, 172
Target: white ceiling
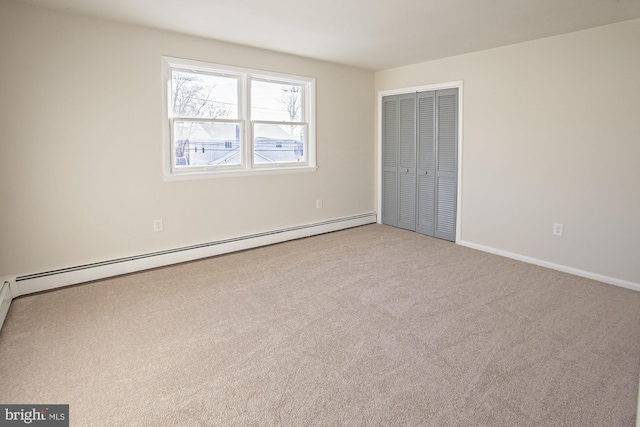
372, 34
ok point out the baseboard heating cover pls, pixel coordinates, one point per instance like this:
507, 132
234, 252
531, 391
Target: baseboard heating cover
31, 283
5, 300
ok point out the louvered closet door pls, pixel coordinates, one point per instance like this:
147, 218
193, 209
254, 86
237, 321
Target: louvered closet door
420, 162
426, 144
407, 162
390, 160
446, 163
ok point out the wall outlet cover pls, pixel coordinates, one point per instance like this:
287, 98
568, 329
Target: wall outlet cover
557, 229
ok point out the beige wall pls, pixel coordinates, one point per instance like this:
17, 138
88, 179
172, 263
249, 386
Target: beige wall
81, 176
551, 133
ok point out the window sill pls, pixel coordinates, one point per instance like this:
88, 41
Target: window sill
189, 176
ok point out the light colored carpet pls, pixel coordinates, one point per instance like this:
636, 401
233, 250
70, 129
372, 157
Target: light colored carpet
368, 326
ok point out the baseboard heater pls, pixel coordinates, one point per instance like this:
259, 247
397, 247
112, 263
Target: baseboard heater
47, 280
5, 300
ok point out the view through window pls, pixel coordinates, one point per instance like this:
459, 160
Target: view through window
225, 119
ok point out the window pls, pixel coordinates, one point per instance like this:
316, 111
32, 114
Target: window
222, 120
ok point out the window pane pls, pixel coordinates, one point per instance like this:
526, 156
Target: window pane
206, 143
274, 101
274, 143
204, 96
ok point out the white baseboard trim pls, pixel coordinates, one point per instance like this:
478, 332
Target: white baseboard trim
27, 284
547, 264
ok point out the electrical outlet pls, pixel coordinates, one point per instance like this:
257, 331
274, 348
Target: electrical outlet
557, 230
157, 225
318, 203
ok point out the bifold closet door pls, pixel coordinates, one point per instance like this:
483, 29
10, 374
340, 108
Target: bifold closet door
419, 162
399, 161
437, 173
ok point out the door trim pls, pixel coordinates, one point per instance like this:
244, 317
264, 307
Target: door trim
425, 88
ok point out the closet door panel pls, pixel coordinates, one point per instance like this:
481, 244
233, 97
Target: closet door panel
390, 160
446, 163
426, 163
407, 162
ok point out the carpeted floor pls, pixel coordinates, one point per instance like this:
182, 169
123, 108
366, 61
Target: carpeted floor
367, 326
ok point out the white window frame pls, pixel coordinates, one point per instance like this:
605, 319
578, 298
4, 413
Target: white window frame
247, 166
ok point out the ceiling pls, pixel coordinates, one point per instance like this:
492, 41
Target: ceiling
371, 34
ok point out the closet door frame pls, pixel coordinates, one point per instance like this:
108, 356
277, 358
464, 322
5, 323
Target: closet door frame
408, 90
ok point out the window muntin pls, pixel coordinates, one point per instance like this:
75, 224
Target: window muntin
228, 120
